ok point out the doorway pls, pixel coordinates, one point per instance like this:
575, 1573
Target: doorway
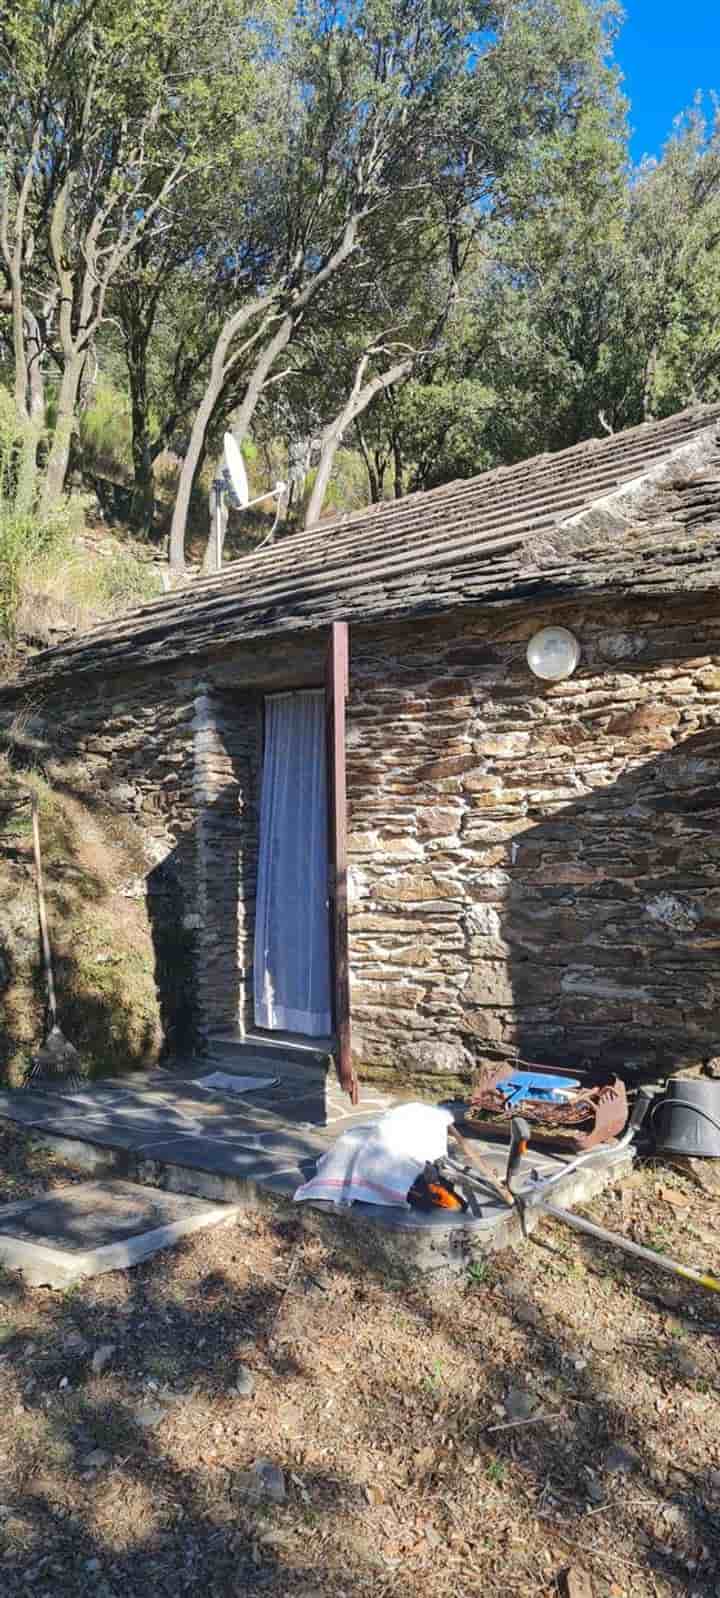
292, 962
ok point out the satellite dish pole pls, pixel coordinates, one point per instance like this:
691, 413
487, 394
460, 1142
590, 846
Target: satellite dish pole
231, 488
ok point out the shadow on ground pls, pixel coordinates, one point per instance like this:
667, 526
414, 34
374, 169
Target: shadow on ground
386, 1411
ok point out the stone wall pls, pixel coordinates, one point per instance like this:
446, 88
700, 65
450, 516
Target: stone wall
180, 750
228, 750
535, 870
129, 744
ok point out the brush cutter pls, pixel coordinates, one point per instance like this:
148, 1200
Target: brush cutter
57, 1063
536, 1197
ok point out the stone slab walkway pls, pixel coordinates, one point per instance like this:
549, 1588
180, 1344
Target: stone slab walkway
94, 1227
166, 1131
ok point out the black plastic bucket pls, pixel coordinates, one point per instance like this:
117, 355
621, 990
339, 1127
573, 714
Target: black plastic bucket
687, 1118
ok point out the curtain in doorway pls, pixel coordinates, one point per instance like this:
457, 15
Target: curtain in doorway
292, 933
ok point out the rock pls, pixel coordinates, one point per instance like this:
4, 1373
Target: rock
97, 1459
149, 1415
519, 1404
527, 1314
102, 1357
76, 1345
271, 1479
247, 1485
621, 1460
595, 1489
574, 1583
245, 1382
685, 1366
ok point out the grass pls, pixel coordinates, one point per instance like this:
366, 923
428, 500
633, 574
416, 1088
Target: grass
69, 588
108, 1007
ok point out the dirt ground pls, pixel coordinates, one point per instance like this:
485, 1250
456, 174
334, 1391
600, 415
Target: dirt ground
556, 1410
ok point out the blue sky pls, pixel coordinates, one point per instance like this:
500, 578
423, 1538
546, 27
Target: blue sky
666, 52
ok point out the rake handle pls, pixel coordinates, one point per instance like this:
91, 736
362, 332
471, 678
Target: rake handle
42, 913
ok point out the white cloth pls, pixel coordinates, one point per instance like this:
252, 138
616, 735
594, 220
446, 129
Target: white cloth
378, 1163
292, 925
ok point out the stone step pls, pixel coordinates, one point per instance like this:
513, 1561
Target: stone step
286, 1059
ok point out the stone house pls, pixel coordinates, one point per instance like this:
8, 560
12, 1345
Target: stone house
478, 862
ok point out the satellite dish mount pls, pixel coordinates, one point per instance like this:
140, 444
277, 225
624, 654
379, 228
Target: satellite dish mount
230, 488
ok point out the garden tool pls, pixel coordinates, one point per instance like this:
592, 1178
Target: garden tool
57, 1063
535, 1198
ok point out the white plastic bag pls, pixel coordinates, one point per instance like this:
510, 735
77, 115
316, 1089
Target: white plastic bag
378, 1163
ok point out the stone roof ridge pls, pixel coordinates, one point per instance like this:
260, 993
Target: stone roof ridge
623, 507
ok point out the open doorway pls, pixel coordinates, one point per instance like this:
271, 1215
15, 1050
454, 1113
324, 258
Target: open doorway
292, 964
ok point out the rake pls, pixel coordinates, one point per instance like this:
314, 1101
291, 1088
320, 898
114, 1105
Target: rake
57, 1062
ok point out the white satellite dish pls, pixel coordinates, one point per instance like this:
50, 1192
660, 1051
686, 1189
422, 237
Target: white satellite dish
235, 468
233, 483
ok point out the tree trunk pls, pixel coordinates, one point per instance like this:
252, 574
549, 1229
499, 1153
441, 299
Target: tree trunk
359, 399
142, 507
189, 468
372, 474
330, 444
261, 370
219, 368
36, 375
19, 350
56, 469
380, 470
222, 364
398, 486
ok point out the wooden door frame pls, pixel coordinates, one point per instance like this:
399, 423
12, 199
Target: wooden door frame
337, 682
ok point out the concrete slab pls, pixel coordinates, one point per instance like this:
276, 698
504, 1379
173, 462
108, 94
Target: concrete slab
92, 1227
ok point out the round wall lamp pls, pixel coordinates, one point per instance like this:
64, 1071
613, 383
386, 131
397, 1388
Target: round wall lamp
553, 654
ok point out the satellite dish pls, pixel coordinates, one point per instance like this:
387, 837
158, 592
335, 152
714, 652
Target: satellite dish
235, 468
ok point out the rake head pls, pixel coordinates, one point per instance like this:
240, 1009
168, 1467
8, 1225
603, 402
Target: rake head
56, 1067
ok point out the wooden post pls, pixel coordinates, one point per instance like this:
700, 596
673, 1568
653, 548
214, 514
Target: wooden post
336, 693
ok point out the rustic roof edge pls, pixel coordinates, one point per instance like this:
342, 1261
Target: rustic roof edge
613, 512
591, 549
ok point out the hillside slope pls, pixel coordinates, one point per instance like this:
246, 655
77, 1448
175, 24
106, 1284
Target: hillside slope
95, 868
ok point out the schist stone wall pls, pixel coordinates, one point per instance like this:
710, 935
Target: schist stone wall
533, 869
536, 869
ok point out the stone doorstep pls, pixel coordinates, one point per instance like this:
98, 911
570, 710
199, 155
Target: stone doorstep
43, 1238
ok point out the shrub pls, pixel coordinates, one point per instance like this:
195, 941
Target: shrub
106, 433
24, 535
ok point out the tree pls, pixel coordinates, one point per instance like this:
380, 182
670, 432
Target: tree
104, 122
396, 114
674, 241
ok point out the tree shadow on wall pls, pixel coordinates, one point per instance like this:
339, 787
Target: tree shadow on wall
613, 919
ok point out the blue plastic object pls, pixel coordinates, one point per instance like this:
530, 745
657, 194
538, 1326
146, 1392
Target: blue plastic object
536, 1085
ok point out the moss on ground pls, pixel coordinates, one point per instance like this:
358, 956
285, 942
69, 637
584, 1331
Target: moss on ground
102, 938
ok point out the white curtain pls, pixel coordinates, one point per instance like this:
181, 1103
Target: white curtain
292, 934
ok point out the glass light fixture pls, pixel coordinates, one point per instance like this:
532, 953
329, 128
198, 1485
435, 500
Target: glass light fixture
553, 654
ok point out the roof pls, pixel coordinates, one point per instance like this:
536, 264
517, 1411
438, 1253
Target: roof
636, 512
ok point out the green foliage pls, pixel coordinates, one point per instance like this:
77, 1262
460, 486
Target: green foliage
346, 489
214, 157
106, 432
24, 535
